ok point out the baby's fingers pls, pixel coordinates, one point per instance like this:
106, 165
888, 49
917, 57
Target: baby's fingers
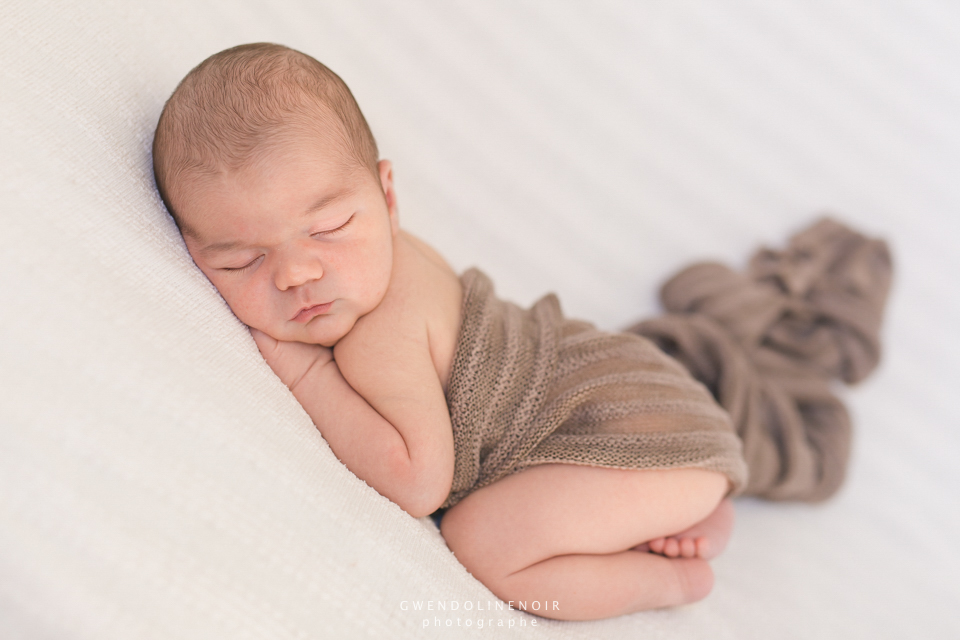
289, 360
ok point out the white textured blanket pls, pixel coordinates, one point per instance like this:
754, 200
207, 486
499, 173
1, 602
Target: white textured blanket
157, 480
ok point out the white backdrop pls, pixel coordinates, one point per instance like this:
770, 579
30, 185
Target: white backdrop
157, 481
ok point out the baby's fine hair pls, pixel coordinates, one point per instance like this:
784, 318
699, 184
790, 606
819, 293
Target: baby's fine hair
236, 103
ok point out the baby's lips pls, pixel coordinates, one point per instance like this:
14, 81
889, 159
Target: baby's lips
308, 313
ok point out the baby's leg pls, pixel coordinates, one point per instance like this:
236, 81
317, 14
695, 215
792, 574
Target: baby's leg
566, 534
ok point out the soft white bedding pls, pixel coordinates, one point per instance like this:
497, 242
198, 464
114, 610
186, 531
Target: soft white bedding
156, 479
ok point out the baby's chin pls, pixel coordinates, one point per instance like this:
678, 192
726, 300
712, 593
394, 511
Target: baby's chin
326, 334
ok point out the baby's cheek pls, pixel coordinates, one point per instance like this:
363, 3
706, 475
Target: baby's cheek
249, 304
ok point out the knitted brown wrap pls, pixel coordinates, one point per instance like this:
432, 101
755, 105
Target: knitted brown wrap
530, 387
769, 341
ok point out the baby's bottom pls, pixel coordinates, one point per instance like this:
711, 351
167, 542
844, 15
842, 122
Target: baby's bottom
572, 535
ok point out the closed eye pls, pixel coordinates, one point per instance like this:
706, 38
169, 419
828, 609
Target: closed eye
333, 232
245, 267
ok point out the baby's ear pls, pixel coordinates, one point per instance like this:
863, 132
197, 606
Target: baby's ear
385, 169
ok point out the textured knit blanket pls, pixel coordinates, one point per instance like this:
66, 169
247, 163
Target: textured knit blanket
529, 386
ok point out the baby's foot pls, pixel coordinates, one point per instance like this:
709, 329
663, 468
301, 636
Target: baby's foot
706, 539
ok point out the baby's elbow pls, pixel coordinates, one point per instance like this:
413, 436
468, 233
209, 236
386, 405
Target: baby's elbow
419, 509
421, 490
426, 497
418, 504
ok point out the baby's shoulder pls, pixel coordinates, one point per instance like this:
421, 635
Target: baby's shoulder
422, 284
421, 306
406, 242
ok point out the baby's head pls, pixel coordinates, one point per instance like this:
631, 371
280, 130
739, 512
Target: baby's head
271, 173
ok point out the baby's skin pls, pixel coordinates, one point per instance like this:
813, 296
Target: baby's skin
360, 320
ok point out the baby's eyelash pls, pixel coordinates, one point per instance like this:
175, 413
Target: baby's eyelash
244, 267
337, 230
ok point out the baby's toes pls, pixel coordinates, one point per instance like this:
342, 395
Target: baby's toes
688, 548
671, 548
657, 545
703, 547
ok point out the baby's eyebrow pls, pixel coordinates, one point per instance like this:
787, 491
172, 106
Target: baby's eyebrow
222, 246
328, 200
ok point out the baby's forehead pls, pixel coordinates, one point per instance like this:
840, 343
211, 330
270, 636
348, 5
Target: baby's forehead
316, 138
298, 172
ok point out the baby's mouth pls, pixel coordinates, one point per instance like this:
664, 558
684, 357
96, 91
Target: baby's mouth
308, 313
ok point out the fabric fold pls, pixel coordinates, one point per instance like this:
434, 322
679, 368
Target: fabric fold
769, 342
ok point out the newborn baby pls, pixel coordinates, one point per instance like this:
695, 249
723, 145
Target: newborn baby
273, 177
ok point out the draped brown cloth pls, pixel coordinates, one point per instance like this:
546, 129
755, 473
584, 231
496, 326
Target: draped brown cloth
529, 387
769, 342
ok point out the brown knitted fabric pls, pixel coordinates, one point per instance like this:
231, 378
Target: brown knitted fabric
768, 342
529, 387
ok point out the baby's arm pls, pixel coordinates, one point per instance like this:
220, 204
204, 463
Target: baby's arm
388, 359
361, 438
389, 424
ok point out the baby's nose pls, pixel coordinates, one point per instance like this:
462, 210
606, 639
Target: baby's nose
293, 271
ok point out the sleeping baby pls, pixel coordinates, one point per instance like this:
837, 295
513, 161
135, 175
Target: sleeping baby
582, 469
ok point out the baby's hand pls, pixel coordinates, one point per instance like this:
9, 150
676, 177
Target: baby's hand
291, 360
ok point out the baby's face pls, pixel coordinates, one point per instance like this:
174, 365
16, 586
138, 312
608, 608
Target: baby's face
300, 245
